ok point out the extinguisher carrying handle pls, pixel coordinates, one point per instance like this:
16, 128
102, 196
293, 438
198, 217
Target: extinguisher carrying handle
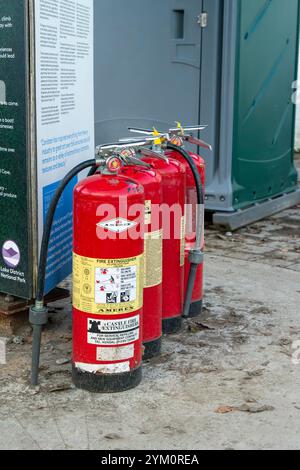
196, 256
38, 315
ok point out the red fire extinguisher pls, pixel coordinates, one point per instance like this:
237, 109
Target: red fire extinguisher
191, 227
178, 136
151, 181
173, 176
108, 281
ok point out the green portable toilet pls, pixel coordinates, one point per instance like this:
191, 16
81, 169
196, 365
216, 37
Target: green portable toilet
260, 157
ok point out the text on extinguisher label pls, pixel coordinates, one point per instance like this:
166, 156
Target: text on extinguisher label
120, 353
107, 287
113, 332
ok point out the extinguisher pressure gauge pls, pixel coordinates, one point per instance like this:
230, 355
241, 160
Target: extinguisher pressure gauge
113, 165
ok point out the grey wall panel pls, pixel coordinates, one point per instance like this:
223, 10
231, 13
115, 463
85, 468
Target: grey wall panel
147, 64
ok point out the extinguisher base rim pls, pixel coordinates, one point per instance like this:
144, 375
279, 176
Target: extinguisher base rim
196, 309
103, 384
152, 349
172, 326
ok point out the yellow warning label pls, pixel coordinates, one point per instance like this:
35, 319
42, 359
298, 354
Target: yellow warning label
153, 259
148, 212
182, 246
107, 287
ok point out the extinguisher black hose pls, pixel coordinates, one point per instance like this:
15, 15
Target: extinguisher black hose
38, 313
194, 169
48, 225
200, 224
93, 170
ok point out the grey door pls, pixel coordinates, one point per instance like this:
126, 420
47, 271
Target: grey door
147, 64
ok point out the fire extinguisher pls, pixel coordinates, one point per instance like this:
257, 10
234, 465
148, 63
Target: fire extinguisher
151, 181
176, 137
173, 176
191, 227
109, 213
107, 281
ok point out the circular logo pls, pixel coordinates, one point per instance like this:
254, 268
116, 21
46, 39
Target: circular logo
11, 254
87, 289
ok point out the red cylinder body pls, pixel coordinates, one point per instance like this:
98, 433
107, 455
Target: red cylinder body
108, 283
152, 319
173, 175
191, 192
191, 226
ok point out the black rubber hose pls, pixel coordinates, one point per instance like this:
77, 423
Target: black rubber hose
194, 169
93, 171
200, 201
38, 313
48, 225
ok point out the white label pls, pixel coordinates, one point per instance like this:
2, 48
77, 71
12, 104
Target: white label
113, 332
115, 354
115, 285
148, 212
117, 225
111, 369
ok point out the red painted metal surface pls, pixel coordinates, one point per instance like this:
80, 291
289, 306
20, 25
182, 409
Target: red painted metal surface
152, 183
191, 201
173, 175
102, 342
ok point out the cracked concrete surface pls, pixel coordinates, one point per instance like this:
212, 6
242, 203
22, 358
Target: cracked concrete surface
227, 381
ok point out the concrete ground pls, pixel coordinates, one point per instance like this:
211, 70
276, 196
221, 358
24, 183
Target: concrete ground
229, 380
